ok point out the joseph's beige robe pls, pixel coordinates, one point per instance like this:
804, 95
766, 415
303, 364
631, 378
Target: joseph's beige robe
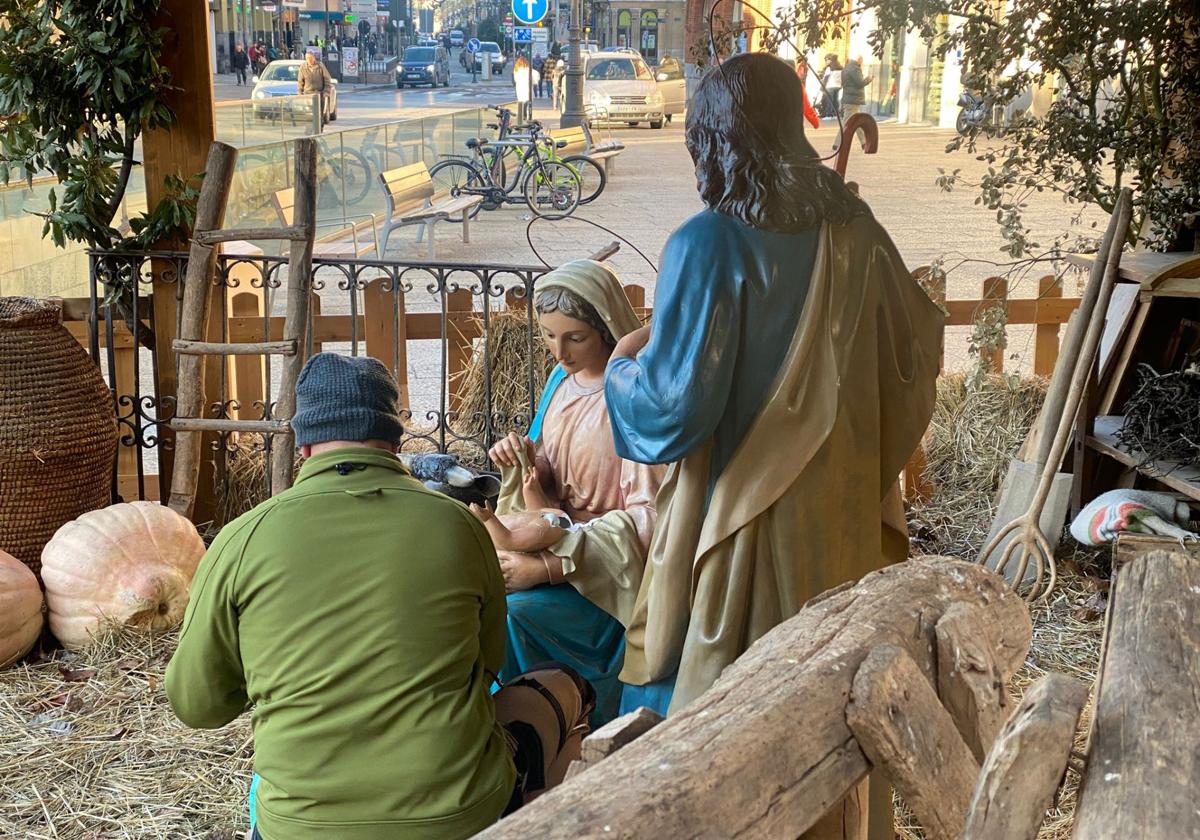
809, 499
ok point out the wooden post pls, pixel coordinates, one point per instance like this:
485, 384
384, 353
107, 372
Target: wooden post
1143, 763
1045, 342
180, 149
458, 346
299, 293
766, 752
1027, 763
904, 730
995, 293
197, 294
385, 332
968, 679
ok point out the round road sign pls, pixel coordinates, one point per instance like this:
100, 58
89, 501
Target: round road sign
473, 45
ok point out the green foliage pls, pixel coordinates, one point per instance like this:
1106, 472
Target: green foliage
489, 30
1126, 81
79, 82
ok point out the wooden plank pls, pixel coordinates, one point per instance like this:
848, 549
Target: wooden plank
420, 326
127, 487
1181, 479
1149, 268
1130, 546
969, 683
1121, 363
379, 328
618, 733
995, 292
1020, 310
458, 340
904, 730
122, 338
1045, 340
1027, 763
766, 752
123, 368
246, 375
1143, 762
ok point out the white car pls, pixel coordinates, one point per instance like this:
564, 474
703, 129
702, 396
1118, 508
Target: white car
672, 85
281, 78
619, 87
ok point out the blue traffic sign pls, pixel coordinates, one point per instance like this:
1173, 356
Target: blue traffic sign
473, 45
530, 11
522, 35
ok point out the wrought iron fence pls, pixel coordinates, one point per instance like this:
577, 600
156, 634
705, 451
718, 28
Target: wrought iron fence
433, 324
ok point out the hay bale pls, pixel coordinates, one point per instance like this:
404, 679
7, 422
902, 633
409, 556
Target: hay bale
976, 429
506, 358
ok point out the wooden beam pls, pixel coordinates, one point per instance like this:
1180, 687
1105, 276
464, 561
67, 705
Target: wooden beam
181, 149
1027, 763
618, 733
1143, 763
904, 730
970, 684
766, 751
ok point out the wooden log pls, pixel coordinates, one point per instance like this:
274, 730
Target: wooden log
295, 325
210, 424
1143, 762
1027, 763
617, 733
904, 730
1130, 546
294, 233
197, 293
238, 348
766, 751
969, 683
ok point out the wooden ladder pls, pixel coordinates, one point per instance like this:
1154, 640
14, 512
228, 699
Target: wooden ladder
189, 424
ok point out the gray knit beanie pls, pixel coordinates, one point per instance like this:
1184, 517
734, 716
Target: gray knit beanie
346, 398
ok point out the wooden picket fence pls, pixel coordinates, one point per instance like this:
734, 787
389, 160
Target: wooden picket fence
384, 333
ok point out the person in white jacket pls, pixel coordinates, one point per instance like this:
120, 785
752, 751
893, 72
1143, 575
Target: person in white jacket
521, 79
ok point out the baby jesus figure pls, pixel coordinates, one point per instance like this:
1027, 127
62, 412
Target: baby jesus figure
537, 527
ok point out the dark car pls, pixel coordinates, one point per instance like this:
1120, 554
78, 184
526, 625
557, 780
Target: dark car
424, 66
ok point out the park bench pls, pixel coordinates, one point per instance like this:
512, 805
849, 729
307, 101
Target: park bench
359, 243
579, 142
411, 200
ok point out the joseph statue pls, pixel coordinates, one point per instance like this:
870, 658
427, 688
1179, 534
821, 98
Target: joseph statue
787, 377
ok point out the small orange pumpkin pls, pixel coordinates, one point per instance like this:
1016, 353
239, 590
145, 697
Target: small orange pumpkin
128, 564
20, 609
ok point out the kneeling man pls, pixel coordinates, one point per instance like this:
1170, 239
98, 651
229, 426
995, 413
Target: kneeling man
362, 616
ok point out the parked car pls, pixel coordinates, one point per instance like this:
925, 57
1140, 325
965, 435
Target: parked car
428, 41
424, 66
456, 37
672, 85
619, 87
280, 79
493, 49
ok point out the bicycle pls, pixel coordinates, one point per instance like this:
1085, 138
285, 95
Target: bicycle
592, 177
546, 186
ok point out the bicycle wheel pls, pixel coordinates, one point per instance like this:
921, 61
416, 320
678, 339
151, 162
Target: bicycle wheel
455, 178
591, 176
355, 174
552, 189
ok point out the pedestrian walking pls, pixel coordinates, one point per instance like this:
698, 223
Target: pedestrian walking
261, 64
314, 78
854, 95
521, 80
539, 69
831, 77
240, 62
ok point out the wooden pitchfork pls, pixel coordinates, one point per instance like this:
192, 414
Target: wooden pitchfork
1026, 530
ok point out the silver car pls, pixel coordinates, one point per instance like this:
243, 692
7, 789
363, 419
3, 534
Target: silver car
281, 79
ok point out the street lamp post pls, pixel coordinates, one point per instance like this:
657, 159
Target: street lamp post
573, 115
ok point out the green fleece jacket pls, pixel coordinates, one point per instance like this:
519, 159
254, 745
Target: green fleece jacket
361, 615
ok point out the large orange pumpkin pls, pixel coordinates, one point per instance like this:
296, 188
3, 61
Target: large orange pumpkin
20, 609
128, 564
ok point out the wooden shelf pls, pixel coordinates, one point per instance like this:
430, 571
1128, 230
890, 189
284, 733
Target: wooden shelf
1185, 480
1153, 270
